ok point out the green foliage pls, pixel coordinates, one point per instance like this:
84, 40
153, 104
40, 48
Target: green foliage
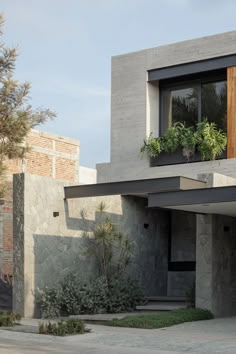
164, 319
211, 140
111, 290
188, 141
8, 319
63, 328
124, 295
74, 296
152, 146
111, 249
206, 139
50, 301
171, 139
16, 115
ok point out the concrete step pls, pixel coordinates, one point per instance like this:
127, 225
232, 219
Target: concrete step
162, 306
165, 298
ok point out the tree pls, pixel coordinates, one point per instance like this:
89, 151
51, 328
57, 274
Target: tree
17, 116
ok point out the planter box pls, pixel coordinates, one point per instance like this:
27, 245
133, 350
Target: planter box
176, 158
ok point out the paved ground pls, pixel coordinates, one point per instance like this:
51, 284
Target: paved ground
205, 337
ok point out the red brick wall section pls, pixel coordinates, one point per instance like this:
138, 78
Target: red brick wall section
65, 147
39, 164
13, 166
65, 169
50, 156
37, 139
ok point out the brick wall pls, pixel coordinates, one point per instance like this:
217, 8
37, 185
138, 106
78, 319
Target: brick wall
50, 155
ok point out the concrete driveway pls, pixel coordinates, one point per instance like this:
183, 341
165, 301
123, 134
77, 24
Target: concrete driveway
205, 337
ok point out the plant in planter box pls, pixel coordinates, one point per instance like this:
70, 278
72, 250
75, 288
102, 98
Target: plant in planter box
151, 145
171, 138
188, 140
211, 141
167, 143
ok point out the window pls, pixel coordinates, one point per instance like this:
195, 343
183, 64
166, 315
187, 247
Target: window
193, 100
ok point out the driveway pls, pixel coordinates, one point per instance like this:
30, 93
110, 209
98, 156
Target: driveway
206, 337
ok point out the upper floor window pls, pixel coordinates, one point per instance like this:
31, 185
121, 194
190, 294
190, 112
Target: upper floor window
193, 100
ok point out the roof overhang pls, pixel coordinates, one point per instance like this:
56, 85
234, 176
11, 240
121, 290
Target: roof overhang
218, 200
191, 68
178, 193
134, 187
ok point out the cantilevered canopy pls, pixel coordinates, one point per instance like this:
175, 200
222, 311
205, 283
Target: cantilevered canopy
135, 187
178, 193
219, 200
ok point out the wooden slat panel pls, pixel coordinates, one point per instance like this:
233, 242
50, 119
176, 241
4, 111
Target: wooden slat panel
231, 112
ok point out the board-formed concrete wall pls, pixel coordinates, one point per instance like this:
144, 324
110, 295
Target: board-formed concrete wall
216, 264
135, 113
47, 248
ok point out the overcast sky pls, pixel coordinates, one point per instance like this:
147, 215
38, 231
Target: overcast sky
65, 49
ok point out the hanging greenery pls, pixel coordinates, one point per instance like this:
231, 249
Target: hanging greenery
205, 139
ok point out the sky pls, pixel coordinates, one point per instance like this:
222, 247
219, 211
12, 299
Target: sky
65, 49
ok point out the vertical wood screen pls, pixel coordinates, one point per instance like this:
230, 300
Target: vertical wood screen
231, 112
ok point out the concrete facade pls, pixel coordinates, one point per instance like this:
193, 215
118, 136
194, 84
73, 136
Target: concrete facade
47, 248
135, 108
216, 264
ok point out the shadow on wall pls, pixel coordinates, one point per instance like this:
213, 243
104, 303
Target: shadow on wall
148, 228
77, 223
57, 256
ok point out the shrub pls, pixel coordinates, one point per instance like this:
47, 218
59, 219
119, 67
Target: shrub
63, 328
124, 295
8, 319
50, 301
96, 296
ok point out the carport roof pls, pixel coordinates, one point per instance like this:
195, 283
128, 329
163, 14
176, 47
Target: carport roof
178, 193
134, 187
218, 200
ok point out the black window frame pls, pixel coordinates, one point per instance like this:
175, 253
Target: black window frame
183, 82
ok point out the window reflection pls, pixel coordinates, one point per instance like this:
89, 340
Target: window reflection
214, 103
191, 104
180, 106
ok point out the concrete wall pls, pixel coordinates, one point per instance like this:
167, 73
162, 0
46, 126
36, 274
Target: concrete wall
87, 175
215, 270
134, 108
46, 248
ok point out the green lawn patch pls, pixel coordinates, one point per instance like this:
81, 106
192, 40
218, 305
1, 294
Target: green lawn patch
8, 319
165, 319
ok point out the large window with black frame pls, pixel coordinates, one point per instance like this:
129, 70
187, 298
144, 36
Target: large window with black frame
192, 101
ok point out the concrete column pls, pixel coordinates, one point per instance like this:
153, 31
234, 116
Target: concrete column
204, 265
18, 243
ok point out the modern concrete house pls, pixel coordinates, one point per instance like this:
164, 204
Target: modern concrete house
182, 215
